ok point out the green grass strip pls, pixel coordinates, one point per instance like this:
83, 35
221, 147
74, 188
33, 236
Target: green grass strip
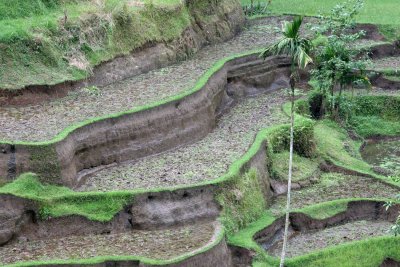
330, 143
244, 237
365, 253
67, 202
325, 210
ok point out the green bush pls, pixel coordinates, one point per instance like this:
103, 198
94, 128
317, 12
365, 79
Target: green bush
387, 107
302, 107
304, 144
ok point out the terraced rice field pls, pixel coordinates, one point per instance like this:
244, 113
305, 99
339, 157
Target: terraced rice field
182, 224
42, 122
205, 160
333, 186
157, 244
303, 243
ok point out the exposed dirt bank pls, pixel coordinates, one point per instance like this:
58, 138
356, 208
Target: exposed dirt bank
382, 54
21, 218
390, 263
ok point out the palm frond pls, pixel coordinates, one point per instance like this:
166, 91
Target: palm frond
292, 29
291, 44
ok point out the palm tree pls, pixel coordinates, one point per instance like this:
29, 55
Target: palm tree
297, 49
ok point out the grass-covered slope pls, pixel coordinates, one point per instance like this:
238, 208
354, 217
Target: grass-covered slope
51, 41
371, 13
303, 168
384, 13
368, 116
376, 115
366, 253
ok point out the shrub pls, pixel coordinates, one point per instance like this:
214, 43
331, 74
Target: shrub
304, 143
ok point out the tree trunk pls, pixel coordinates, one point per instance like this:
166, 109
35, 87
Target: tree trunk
285, 234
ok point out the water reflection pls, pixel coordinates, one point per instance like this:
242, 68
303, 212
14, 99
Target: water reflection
383, 153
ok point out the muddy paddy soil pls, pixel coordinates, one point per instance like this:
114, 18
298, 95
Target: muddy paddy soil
383, 154
44, 121
156, 244
305, 242
205, 160
334, 186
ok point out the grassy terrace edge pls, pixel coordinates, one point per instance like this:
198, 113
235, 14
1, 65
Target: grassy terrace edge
234, 170
100, 259
65, 202
73, 199
244, 238
125, 195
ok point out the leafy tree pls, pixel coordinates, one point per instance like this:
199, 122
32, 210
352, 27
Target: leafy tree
339, 64
297, 48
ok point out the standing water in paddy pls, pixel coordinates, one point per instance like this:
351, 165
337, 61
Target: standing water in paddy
384, 154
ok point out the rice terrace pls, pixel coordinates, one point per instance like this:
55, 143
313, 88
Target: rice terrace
206, 133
